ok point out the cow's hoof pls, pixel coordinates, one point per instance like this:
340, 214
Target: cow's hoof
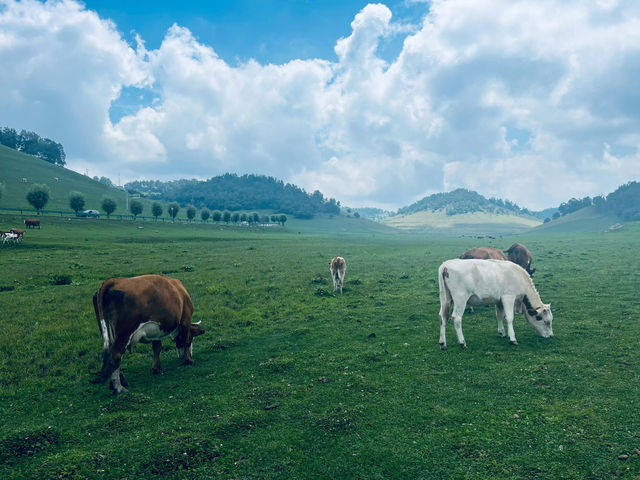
513, 342
443, 346
463, 345
123, 381
118, 391
156, 371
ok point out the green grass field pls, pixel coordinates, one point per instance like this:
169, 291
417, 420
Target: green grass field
291, 381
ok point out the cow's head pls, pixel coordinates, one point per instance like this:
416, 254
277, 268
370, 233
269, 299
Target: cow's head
541, 318
184, 341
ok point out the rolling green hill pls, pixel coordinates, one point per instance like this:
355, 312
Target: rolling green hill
588, 219
18, 172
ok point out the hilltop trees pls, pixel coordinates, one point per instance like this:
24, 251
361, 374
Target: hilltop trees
32, 144
156, 210
108, 205
135, 207
38, 196
76, 201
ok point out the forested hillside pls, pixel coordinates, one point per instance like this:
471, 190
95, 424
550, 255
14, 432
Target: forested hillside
462, 201
233, 192
624, 202
33, 144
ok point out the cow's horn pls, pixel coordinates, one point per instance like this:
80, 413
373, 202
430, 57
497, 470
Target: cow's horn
197, 323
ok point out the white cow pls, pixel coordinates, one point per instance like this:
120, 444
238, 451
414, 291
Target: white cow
338, 267
490, 282
10, 237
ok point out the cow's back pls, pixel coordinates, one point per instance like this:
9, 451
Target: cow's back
483, 253
483, 278
131, 301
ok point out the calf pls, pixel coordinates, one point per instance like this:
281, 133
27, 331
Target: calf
520, 255
18, 232
490, 282
143, 309
338, 267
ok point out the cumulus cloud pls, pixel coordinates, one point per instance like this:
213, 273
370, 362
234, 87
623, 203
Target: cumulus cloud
531, 101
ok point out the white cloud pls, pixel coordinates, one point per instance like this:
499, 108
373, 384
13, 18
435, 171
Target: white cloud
531, 101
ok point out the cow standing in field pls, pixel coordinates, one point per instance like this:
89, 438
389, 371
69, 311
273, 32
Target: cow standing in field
520, 255
143, 309
338, 267
32, 222
484, 253
490, 282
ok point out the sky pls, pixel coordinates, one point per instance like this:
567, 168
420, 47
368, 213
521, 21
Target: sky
374, 104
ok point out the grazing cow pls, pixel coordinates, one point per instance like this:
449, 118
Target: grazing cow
142, 309
10, 237
32, 222
520, 255
484, 253
338, 267
19, 233
490, 282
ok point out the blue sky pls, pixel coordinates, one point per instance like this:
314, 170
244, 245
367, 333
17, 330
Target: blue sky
374, 104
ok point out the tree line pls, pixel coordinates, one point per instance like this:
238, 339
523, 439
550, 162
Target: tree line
38, 196
232, 192
33, 144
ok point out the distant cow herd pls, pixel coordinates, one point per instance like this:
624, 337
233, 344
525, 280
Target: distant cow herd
16, 235
148, 308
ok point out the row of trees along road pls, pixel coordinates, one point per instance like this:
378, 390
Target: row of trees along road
38, 197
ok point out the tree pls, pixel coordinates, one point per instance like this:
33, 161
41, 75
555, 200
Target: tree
226, 216
156, 210
547, 220
217, 215
173, 208
274, 219
243, 217
556, 215
283, 219
256, 217
191, 212
108, 205
135, 207
38, 196
76, 201
235, 218
205, 214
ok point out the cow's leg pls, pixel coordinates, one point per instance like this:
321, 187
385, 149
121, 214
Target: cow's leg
157, 348
341, 282
115, 382
500, 317
458, 311
445, 306
508, 304
335, 282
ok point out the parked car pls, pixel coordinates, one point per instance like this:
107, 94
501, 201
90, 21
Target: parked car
89, 213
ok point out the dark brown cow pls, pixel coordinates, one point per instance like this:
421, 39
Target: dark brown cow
142, 309
484, 253
520, 255
32, 222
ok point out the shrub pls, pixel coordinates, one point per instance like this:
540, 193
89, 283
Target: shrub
76, 201
108, 205
61, 279
38, 196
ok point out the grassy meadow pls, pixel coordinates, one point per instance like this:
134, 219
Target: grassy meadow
292, 381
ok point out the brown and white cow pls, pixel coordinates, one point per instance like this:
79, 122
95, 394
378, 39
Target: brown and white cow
338, 267
143, 309
520, 255
32, 222
484, 253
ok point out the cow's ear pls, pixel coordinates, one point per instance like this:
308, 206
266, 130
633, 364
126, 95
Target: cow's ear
195, 331
532, 312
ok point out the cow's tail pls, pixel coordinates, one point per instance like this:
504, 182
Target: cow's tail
445, 293
106, 330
